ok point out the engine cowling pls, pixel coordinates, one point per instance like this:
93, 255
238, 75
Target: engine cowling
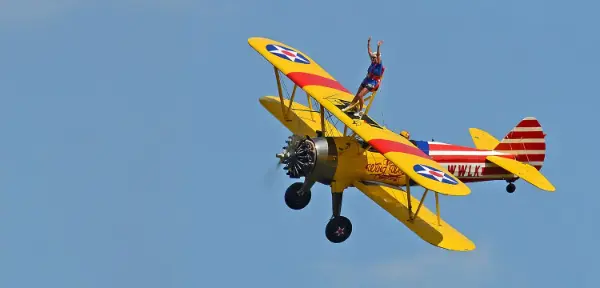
314, 157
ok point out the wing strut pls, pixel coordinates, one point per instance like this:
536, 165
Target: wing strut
286, 110
280, 92
412, 217
322, 112
421, 203
437, 208
310, 107
291, 101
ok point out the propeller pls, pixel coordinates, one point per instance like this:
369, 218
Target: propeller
297, 158
270, 176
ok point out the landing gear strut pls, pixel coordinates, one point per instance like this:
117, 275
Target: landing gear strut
338, 228
510, 188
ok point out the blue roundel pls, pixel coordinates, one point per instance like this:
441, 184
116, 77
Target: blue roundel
434, 174
287, 53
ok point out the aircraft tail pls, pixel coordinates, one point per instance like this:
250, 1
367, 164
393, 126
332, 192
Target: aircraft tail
526, 141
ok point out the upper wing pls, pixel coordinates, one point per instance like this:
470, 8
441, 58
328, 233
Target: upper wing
297, 66
424, 224
313, 79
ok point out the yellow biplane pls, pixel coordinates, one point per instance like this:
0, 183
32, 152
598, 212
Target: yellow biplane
365, 155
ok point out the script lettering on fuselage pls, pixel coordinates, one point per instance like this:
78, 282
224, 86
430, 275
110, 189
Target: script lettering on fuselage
385, 170
466, 170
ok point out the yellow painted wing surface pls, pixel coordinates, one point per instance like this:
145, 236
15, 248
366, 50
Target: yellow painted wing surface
299, 119
483, 140
425, 224
313, 79
523, 171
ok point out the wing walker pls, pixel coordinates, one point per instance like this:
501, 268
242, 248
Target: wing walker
336, 148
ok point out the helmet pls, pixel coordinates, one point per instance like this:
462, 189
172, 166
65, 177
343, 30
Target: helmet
405, 134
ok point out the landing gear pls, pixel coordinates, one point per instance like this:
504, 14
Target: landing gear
297, 196
315, 159
299, 157
510, 188
338, 228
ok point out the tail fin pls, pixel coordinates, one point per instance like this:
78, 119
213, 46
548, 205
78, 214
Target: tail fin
483, 140
526, 141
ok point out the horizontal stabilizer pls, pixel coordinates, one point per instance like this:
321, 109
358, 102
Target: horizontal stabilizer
483, 140
523, 171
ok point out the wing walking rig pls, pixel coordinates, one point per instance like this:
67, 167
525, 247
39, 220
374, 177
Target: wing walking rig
366, 155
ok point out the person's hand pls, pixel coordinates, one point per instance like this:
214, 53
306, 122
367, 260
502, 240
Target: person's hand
369, 39
379, 42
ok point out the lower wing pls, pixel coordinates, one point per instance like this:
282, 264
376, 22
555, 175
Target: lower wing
424, 224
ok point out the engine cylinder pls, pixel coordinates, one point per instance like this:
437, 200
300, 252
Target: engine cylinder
304, 156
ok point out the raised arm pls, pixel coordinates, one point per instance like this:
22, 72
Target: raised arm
369, 47
379, 53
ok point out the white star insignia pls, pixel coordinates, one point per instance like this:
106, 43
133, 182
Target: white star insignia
290, 55
438, 175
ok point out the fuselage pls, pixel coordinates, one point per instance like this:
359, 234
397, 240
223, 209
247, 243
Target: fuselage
466, 163
339, 161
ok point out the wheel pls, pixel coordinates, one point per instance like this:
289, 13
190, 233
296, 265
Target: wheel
338, 229
293, 199
510, 188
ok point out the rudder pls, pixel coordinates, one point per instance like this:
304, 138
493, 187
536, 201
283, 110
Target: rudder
526, 141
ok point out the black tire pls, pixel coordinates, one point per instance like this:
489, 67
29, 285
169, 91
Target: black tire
295, 201
510, 188
338, 229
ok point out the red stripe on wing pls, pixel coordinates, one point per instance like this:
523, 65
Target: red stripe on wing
307, 79
385, 146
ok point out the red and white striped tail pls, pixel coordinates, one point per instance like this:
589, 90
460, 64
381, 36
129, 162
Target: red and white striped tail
526, 141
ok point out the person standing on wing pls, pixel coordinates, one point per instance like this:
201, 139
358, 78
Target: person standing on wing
372, 80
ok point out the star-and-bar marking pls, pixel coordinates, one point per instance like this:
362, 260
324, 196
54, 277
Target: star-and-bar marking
287, 54
434, 174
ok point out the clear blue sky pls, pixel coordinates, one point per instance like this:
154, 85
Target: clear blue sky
135, 152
